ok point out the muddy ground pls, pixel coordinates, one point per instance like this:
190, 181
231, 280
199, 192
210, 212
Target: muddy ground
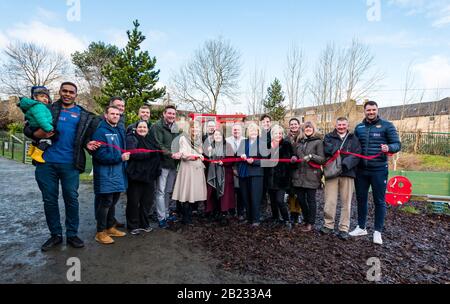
415, 247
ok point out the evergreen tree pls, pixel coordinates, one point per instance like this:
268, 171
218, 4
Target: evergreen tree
273, 103
132, 76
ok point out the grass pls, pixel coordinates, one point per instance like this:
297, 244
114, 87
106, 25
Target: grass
410, 209
435, 162
423, 162
86, 178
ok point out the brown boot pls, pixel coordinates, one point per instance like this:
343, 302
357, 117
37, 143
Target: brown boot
114, 232
103, 238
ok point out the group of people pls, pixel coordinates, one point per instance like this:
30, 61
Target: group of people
171, 165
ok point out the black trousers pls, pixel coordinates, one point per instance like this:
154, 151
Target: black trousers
278, 205
265, 192
307, 199
240, 206
187, 212
140, 199
251, 189
106, 209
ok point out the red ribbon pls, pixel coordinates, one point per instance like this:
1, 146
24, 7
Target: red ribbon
133, 151
236, 160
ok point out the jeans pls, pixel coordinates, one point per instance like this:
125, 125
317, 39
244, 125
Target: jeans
164, 189
106, 210
378, 181
48, 177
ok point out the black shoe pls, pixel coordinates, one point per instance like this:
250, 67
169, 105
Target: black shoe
52, 242
343, 235
324, 230
75, 242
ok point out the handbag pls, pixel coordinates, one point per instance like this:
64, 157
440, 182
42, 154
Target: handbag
334, 168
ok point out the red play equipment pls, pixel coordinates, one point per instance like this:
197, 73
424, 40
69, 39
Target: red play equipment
219, 118
398, 191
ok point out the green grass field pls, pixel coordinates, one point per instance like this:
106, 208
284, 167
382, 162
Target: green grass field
435, 162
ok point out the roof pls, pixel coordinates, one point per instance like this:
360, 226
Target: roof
432, 108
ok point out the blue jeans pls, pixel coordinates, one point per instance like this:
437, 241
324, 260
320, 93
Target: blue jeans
48, 176
378, 181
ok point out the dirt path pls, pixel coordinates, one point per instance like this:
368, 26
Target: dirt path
415, 248
159, 257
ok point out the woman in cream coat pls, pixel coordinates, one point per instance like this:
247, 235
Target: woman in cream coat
190, 185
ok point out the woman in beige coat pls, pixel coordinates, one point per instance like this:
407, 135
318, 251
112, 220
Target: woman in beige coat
190, 185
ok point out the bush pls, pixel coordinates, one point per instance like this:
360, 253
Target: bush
15, 127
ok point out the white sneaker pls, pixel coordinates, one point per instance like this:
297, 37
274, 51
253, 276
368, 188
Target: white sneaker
377, 238
358, 232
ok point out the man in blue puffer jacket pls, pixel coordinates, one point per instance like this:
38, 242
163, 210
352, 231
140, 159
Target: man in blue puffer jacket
109, 173
375, 135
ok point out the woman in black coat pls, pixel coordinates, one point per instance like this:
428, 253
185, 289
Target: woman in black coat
279, 177
143, 169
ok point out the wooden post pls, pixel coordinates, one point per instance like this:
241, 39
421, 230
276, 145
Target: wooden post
12, 148
416, 144
24, 151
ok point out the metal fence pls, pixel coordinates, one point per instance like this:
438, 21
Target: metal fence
426, 143
15, 147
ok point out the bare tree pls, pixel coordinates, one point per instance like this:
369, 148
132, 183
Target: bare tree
361, 78
342, 75
294, 77
327, 85
27, 64
209, 77
409, 95
256, 91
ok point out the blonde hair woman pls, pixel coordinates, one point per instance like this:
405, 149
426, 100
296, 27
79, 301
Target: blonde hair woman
190, 185
251, 174
305, 178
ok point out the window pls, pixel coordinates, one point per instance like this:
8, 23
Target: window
319, 117
302, 119
329, 116
432, 118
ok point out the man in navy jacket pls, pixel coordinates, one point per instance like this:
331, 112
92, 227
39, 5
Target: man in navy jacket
109, 173
376, 136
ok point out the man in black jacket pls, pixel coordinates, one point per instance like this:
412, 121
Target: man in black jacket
64, 161
340, 139
377, 137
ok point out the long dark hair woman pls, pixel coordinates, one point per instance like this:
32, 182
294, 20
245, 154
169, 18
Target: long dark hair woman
220, 180
143, 170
